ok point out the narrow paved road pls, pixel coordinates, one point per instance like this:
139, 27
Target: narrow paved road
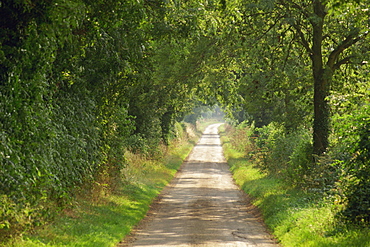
203, 206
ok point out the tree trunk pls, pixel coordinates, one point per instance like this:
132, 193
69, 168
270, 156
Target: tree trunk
321, 115
321, 83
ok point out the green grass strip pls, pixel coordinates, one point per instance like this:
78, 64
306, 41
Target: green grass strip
107, 222
295, 217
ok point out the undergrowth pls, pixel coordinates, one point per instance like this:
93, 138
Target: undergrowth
104, 212
295, 216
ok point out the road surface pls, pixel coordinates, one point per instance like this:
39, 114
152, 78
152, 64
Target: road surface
202, 206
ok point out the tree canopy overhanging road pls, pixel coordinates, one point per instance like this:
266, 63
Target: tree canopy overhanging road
81, 81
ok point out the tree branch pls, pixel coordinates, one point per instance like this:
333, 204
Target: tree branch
350, 40
345, 60
270, 28
296, 6
290, 4
304, 41
257, 14
287, 54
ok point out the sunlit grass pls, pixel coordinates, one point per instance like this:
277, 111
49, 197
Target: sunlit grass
106, 219
295, 217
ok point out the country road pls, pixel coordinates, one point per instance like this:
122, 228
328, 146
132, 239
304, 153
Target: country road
202, 206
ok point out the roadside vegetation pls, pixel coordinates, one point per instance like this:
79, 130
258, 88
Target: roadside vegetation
301, 207
103, 213
85, 84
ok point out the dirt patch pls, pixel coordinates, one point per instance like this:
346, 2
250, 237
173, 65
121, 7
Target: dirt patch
202, 206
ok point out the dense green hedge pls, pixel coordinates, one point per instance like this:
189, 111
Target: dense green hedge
76, 90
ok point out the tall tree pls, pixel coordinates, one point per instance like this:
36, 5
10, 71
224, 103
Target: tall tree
331, 33
324, 35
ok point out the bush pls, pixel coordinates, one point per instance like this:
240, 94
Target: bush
241, 138
300, 170
275, 152
178, 131
284, 155
353, 133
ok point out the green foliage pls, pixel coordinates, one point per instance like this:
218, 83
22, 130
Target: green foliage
241, 138
104, 219
295, 217
284, 155
179, 131
353, 133
198, 113
14, 216
64, 72
82, 82
290, 52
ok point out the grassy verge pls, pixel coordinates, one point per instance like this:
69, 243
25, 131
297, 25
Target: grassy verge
295, 217
106, 217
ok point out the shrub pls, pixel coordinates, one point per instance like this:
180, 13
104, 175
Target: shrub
241, 138
282, 154
275, 150
354, 141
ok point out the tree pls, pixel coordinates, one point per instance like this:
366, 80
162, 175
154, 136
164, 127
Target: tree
325, 64
331, 33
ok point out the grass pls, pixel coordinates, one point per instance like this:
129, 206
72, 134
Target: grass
295, 217
106, 218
